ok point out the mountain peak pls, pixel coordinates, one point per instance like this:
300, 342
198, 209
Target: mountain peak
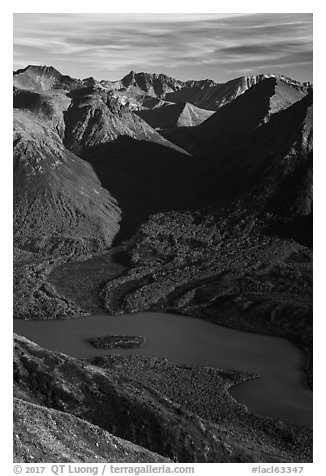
43, 78
39, 69
152, 84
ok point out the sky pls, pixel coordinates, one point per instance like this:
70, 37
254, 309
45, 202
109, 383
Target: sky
183, 45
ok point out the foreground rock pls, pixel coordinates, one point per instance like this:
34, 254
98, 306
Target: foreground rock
43, 435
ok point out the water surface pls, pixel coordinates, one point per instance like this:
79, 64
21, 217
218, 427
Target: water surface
281, 392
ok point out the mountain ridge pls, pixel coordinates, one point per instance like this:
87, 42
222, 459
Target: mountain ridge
245, 113
163, 86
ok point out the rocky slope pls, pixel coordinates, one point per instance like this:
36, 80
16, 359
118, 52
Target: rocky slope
43, 435
262, 158
141, 409
130, 158
95, 117
248, 152
44, 78
59, 203
115, 403
91, 121
170, 116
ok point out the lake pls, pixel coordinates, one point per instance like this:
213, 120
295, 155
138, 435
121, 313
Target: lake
280, 392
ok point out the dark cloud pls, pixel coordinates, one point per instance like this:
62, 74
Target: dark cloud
269, 53
182, 45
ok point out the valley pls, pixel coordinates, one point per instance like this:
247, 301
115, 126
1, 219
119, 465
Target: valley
188, 200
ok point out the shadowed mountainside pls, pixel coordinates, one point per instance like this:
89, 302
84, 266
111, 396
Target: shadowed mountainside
263, 158
260, 159
230, 124
132, 160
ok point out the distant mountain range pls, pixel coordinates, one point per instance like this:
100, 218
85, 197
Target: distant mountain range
140, 87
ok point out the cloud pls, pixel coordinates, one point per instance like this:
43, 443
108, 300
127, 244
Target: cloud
107, 46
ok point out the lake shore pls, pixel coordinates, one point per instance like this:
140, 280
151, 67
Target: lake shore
279, 393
